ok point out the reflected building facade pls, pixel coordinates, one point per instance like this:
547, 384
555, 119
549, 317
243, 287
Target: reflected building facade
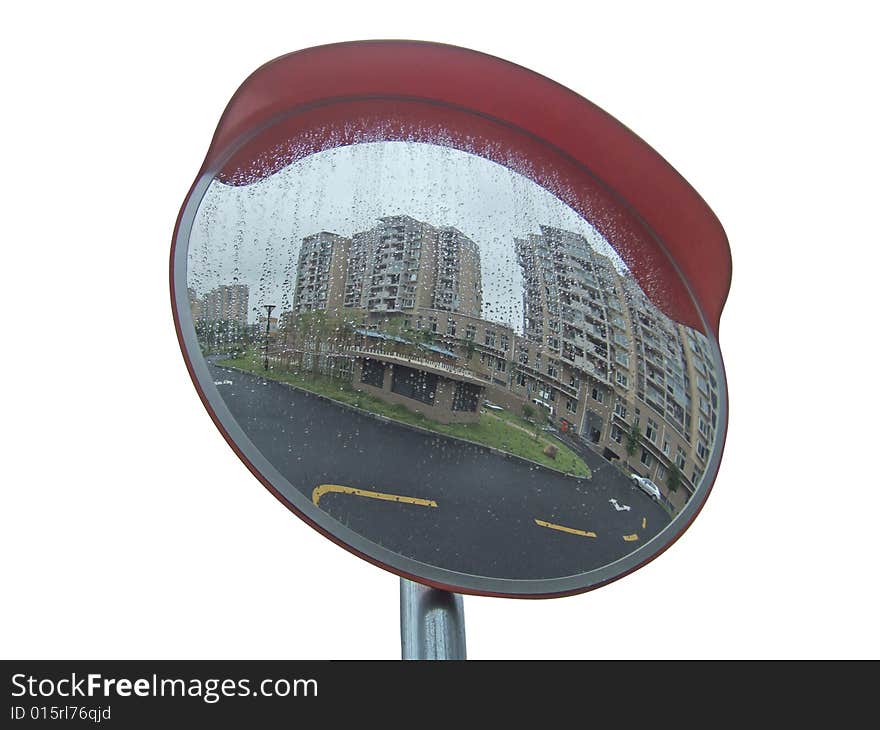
603, 363
647, 391
399, 265
320, 271
224, 303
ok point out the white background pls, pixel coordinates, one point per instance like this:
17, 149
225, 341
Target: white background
128, 528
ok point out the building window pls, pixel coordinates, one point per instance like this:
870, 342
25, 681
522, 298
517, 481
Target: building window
622, 380
501, 364
666, 448
679, 457
551, 369
703, 427
622, 358
466, 397
470, 332
661, 472
505, 342
520, 378
373, 372
524, 357
616, 433
433, 321
571, 405
702, 451
646, 458
450, 327
651, 430
620, 408
598, 395
490, 338
415, 384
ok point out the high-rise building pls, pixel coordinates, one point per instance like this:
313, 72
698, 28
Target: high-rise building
226, 303
458, 283
589, 323
570, 297
357, 270
321, 273
399, 265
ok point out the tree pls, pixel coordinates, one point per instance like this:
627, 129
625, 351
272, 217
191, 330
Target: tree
224, 335
529, 412
469, 349
312, 332
673, 479
633, 438
316, 330
394, 326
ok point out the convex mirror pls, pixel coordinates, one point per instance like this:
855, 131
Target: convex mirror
456, 317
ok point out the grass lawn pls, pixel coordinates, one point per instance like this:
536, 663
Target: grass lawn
496, 432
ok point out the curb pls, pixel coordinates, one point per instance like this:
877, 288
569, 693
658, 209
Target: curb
412, 427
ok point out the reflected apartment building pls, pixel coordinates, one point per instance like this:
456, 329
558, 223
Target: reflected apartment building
225, 303
594, 351
590, 327
321, 269
221, 317
376, 277
400, 265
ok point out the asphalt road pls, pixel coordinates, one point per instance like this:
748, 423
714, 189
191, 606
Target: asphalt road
487, 505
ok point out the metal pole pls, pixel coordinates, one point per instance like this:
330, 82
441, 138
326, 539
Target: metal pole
431, 623
269, 308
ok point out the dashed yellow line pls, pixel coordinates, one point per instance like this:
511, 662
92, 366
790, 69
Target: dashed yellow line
562, 528
631, 538
323, 489
644, 522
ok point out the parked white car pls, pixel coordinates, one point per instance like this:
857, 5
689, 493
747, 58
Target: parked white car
646, 485
544, 404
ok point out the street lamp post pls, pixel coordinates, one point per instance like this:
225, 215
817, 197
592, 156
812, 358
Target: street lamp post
269, 308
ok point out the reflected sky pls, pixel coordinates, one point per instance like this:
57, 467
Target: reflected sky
252, 234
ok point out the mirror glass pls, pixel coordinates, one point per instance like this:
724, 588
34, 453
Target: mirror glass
445, 366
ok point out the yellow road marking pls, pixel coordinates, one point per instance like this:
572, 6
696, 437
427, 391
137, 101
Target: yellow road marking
562, 528
631, 538
323, 489
644, 522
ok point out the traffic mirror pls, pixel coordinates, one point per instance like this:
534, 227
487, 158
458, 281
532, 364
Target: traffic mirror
456, 317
